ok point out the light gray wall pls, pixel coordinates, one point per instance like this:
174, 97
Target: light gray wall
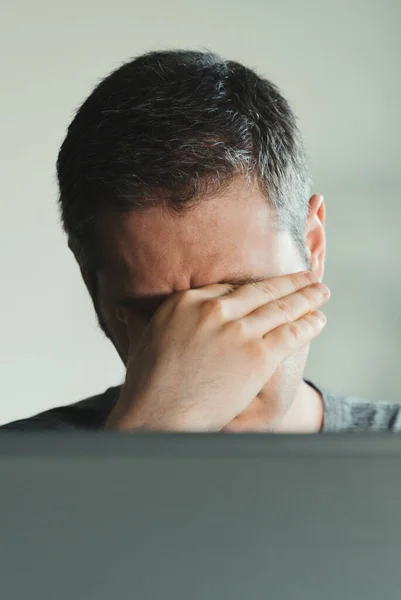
337, 62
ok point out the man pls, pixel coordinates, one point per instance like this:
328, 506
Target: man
184, 192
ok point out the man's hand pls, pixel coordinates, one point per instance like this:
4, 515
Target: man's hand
208, 352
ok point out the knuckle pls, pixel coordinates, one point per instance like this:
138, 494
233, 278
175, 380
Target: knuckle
295, 331
266, 288
215, 307
302, 278
283, 308
310, 294
295, 280
304, 328
237, 328
311, 322
256, 350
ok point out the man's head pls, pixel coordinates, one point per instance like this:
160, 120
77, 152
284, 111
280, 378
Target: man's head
181, 170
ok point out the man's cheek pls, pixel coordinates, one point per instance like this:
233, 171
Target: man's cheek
121, 336
129, 342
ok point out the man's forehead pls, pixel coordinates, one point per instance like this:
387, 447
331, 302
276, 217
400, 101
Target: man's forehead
224, 232
150, 256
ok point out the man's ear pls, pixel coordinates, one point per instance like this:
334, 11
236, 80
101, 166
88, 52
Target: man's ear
315, 237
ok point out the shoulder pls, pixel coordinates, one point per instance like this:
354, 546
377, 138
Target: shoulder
352, 413
89, 413
377, 416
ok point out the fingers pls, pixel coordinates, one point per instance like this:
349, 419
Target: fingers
287, 339
245, 299
286, 309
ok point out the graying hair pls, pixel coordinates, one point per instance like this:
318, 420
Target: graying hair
175, 128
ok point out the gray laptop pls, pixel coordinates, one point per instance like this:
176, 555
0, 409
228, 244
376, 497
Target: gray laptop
104, 516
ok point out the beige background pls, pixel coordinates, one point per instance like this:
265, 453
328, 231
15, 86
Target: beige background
337, 62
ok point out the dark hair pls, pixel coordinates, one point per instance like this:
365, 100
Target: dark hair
173, 128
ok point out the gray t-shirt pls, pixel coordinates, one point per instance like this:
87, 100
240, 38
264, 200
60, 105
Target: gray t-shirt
351, 413
341, 413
